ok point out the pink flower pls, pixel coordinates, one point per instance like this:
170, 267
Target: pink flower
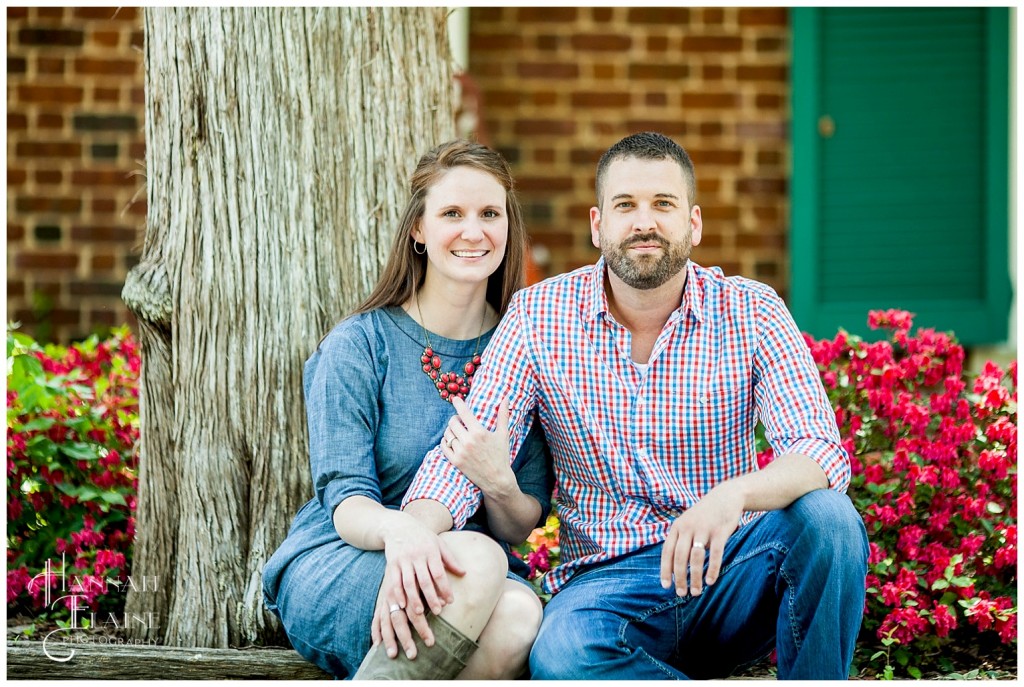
943, 619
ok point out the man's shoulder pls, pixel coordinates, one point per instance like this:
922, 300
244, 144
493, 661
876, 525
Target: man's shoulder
717, 284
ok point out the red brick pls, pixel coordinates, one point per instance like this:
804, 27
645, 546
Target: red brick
767, 72
48, 176
598, 100
772, 130
137, 209
547, 42
713, 16
50, 120
138, 95
605, 72
101, 205
15, 232
766, 213
712, 44
713, 72
33, 260
660, 16
50, 65
585, 156
544, 98
107, 13
49, 94
102, 261
763, 16
106, 95
94, 287
17, 13
601, 15
93, 177
535, 184
711, 129
669, 127
716, 101
106, 318
558, 127
769, 157
761, 185
16, 65
16, 121
138, 40
762, 240
601, 42
548, 70
511, 98
15, 289
49, 149
768, 101
546, 15
486, 15
50, 12
770, 45
658, 71
657, 43
103, 234
16, 177
106, 39
85, 65
137, 151
48, 204
723, 213
656, 99
708, 185
716, 156
544, 155
495, 41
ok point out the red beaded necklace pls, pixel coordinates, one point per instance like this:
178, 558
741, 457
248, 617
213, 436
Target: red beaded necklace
449, 384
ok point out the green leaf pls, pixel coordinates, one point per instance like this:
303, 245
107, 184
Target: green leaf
39, 423
914, 672
878, 654
79, 450
114, 498
41, 447
940, 584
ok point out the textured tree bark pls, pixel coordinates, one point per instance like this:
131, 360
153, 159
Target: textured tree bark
278, 145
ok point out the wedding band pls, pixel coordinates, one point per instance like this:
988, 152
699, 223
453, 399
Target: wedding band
698, 545
394, 608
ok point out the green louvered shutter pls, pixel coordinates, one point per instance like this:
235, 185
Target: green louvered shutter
900, 179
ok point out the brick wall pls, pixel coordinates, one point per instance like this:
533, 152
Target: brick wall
560, 85
76, 201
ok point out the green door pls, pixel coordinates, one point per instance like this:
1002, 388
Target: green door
901, 168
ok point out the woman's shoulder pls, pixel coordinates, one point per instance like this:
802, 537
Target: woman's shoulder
364, 332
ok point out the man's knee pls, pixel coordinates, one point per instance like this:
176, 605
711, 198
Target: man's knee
833, 524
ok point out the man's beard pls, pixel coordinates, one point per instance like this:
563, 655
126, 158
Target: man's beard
646, 272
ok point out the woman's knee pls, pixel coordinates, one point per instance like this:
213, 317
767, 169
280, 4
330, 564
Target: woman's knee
519, 612
483, 560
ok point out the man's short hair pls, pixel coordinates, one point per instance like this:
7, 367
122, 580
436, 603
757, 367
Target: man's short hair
648, 145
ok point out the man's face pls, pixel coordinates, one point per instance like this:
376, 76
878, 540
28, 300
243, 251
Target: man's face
645, 227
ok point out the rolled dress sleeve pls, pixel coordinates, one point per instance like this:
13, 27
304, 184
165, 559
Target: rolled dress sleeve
341, 387
791, 401
505, 372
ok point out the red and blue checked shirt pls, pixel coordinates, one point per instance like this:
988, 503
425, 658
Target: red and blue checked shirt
632, 449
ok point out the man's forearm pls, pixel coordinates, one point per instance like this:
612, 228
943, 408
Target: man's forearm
431, 514
779, 483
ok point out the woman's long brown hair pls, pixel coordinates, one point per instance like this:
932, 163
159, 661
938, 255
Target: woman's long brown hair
405, 269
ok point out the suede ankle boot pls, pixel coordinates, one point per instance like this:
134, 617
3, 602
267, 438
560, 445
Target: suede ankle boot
443, 661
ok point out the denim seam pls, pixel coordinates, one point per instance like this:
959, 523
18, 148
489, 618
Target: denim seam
639, 650
793, 626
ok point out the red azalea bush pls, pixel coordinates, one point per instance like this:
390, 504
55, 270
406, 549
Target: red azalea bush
934, 460
72, 430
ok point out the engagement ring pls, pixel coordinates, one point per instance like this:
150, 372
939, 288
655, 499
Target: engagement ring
395, 608
698, 545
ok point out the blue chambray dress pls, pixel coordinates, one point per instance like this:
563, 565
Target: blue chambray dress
373, 414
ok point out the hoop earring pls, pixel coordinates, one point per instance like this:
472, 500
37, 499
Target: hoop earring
419, 252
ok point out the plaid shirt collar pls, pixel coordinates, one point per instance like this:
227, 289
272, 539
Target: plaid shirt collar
596, 298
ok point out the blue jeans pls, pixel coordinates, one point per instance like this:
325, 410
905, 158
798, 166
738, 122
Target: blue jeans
792, 580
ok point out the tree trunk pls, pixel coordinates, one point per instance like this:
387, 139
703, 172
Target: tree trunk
278, 145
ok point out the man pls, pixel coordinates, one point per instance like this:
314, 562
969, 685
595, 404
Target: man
649, 373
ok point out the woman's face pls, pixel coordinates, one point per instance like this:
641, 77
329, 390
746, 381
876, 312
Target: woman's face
464, 226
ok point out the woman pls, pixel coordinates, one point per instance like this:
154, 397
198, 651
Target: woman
380, 390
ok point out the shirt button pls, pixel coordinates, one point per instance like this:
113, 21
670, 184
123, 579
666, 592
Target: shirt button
642, 454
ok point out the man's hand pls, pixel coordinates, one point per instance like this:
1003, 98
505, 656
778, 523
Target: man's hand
702, 529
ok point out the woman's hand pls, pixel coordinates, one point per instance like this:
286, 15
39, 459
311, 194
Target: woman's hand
481, 455
418, 563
